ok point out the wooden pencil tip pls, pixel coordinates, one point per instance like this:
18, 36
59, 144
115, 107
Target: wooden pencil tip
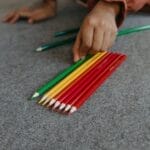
67, 108
46, 101
35, 95
62, 106
51, 102
39, 49
42, 100
56, 104
73, 109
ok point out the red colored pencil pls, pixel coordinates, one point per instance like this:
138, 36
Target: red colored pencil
80, 86
78, 102
59, 97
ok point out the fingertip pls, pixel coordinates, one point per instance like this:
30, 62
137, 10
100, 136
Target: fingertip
15, 19
30, 21
5, 19
75, 57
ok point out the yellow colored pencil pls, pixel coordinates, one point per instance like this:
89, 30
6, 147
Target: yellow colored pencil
65, 82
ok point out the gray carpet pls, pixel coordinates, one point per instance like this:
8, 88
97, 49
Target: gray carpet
117, 116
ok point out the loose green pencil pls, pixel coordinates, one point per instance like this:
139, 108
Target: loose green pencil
56, 44
59, 77
65, 32
132, 30
121, 32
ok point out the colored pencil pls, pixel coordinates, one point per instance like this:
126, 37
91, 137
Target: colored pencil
121, 32
92, 88
66, 32
59, 77
56, 44
66, 81
63, 94
80, 87
133, 30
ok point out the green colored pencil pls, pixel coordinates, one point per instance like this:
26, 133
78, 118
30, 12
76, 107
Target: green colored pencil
56, 44
65, 32
132, 30
59, 77
120, 33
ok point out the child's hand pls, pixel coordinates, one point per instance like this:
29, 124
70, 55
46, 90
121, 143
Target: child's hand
98, 31
43, 12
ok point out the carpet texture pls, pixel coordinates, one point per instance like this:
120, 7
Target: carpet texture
117, 116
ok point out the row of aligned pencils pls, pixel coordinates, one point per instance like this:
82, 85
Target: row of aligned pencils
73, 89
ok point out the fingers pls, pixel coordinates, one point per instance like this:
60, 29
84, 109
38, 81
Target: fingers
16, 15
87, 39
76, 48
9, 16
98, 39
35, 18
103, 38
106, 40
14, 18
113, 38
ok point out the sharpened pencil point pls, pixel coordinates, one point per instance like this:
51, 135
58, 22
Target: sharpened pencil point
67, 108
73, 109
39, 49
35, 95
56, 104
42, 100
46, 101
62, 106
51, 102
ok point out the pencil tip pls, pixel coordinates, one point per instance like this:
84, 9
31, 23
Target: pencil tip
35, 95
52, 102
73, 109
62, 106
42, 100
56, 104
46, 101
39, 49
67, 108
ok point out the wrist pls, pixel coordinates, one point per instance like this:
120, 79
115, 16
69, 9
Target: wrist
112, 7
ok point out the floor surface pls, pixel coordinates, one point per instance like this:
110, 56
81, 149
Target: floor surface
117, 116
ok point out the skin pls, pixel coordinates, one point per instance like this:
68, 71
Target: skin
97, 32
46, 10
